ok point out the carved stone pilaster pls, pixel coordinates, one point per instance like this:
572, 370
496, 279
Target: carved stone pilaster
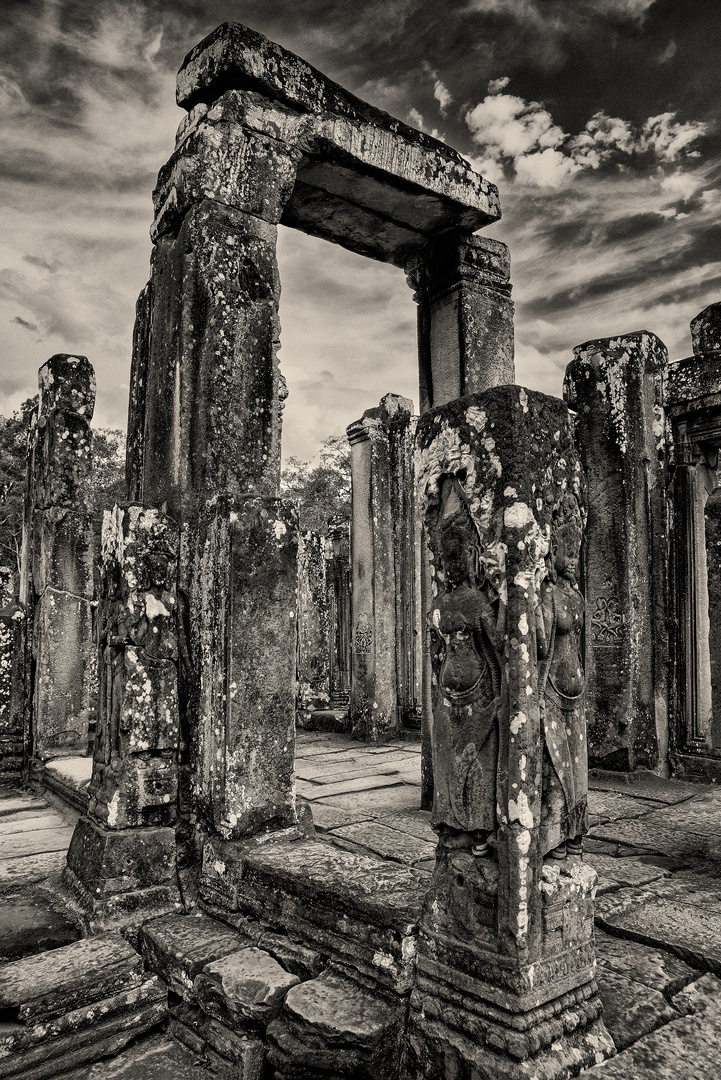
465, 316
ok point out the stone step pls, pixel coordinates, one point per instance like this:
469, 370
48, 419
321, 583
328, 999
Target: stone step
387, 842
17, 845
246, 988
178, 947
30, 822
156, 1057
29, 869
331, 1026
21, 801
44, 986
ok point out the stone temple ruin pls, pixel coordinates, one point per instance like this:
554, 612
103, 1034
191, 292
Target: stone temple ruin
530, 586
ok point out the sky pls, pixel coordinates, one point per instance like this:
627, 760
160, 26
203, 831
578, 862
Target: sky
598, 120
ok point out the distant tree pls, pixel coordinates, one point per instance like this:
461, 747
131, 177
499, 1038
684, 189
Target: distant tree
320, 488
108, 478
13, 443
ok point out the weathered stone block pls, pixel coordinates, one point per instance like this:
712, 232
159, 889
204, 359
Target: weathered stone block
178, 947
67, 384
246, 605
63, 692
616, 387
61, 461
246, 987
706, 331
109, 862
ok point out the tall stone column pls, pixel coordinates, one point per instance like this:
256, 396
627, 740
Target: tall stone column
313, 628
12, 681
505, 970
385, 607
338, 576
121, 861
616, 387
56, 578
462, 287
693, 406
206, 404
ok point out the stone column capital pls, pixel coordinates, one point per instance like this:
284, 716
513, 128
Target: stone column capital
455, 259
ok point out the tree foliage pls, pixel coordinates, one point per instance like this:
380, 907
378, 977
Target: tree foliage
108, 482
320, 488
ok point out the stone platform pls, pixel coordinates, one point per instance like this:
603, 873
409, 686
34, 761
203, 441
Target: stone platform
653, 842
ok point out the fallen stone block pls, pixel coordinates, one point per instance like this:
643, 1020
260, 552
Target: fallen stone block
178, 947
248, 986
55, 982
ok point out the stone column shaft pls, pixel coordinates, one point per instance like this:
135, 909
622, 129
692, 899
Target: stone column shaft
121, 861
616, 387
12, 680
465, 317
338, 576
56, 586
313, 625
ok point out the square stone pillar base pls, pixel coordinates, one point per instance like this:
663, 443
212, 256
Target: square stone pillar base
119, 878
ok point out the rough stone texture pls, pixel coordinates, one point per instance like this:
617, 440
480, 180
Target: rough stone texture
465, 317
616, 385
612, 805
56, 578
706, 331
389, 843
631, 1010
687, 830
359, 187
338, 578
134, 779
29, 924
655, 968
504, 507
314, 626
682, 915
177, 947
712, 521
156, 1057
331, 1023
356, 909
621, 873
246, 630
385, 534
694, 407
685, 1049
12, 684
236, 1055
246, 987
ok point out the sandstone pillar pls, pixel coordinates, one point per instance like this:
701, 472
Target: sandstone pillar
505, 972
205, 412
12, 684
616, 387
313, 672
692, 403
338, 576
121, 861
384, 682
465, 317
56, 580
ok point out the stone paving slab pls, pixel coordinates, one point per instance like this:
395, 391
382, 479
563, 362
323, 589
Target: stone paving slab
30, 869
415, 822
630, 1009
330, 774
689, 829
402, 797
623, 873
17, 845
362, 783
29, 925
612, 805
155, 1057
645, 785
682, 916
685, 1049
386, 842
655, 968
23, 823
16, 800
330, 817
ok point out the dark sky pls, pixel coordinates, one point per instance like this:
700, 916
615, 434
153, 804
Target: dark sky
598, 119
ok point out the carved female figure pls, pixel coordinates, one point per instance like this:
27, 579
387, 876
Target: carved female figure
559, 626
463, 628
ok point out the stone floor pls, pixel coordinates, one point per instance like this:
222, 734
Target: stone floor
655, 843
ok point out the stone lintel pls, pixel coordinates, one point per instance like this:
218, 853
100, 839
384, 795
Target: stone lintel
373, 164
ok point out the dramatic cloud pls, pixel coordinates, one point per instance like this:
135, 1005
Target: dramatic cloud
599, 119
